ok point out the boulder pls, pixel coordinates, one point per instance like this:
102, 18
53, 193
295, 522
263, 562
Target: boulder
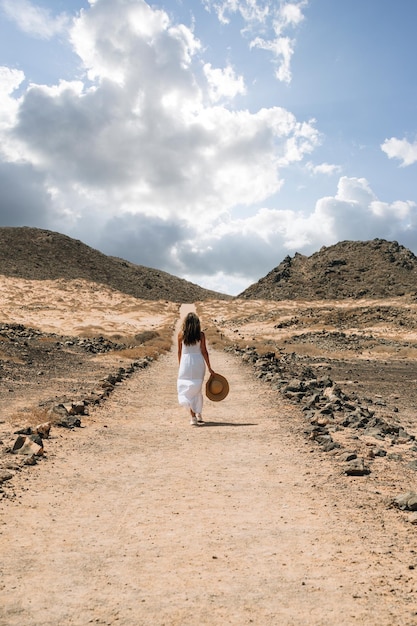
78, 408
356, 467
26, 445
295, 385
57, 412
404, 501
43, 430
69, 421
412, 503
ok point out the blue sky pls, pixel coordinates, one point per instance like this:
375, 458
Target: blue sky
210, 138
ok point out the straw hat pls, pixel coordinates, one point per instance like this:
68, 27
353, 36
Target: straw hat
217, 387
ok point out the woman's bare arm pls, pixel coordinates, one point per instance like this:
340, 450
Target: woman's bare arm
205, 353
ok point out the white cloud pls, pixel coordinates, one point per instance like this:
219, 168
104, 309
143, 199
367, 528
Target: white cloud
266, 23
282, 49
223, 83
323, 168
139, 36
10, 80
400, 149
247, 248
250, 10
290, 14
159, 160
142, 138
34, 20
356, 213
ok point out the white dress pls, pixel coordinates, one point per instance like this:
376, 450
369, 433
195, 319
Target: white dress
190, 377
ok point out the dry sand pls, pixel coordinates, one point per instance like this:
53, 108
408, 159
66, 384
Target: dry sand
77, 307
139, 518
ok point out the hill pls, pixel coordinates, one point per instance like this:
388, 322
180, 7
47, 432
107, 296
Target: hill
37, 254
348, 269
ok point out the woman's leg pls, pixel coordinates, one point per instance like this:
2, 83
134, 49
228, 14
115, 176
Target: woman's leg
193, 420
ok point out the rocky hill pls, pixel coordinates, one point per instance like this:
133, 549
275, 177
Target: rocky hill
349, 269
37, 254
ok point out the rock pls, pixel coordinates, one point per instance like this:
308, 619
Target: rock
69, 421
379, 452
348, 456
5, 475
325, 381
403, 434
23, 431
111, 379
323, 440
57, 412
350, 406
356, 467
25, 445
316, 431
402, 500
413, 465
313, 400
333, 394
31, 460
331, 445
75, 408
374, 432
295, 385
107, 385
78, 408
412, 518
295, 396
93, 398
412, 503
36, 439
394, 456
43, 430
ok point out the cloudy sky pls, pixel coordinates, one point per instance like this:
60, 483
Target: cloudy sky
210, 138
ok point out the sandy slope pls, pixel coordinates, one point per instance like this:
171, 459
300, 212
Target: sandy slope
77, 307
140, 519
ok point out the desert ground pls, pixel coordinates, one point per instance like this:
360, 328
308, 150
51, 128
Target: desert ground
134, 517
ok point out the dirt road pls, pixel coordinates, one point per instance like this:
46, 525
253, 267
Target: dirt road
140, 519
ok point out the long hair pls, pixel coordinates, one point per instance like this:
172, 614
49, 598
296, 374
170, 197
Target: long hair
191, 329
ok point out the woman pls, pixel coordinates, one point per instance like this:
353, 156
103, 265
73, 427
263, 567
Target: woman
192, 358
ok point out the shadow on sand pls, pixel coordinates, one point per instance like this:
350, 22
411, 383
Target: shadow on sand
227, 424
